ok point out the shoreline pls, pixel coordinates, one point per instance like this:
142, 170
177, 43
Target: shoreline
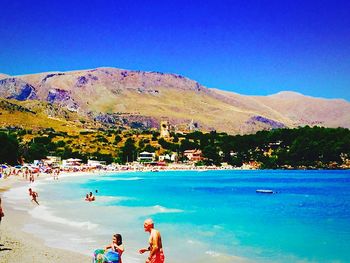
20, 246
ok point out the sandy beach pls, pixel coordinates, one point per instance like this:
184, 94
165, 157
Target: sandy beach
19, 246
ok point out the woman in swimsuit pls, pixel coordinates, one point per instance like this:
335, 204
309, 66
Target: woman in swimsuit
117, 245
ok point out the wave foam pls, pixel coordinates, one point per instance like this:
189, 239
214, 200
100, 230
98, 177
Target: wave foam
17, 193
120, 178
161, 209
110, 198
212, 253
42, 213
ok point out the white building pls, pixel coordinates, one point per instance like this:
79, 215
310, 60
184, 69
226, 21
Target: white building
172, 157
95, 163
146, 157
71, 162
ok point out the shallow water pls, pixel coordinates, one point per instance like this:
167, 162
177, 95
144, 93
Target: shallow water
208, 216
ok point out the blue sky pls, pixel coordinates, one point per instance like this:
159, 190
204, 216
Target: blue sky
248, 47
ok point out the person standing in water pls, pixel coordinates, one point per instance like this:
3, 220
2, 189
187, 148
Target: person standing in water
155, 248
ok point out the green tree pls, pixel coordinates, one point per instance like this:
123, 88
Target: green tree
211, 155
9, 149
188, 145
36, 151
117, 139
155, 135
128, 151
149, 148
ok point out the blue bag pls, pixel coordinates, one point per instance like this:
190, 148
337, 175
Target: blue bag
112, 257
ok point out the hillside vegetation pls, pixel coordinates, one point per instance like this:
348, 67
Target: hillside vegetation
306, 147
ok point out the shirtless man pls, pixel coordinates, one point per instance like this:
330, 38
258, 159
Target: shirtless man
33, 195
155, 243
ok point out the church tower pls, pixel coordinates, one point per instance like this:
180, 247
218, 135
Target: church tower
164, 129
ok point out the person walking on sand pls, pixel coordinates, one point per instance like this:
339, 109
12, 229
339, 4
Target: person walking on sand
31, 177
117, 245
33, 195
155, 248
1, 214
1, 211
56, 173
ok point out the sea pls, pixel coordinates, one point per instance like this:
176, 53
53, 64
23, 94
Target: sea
203, 216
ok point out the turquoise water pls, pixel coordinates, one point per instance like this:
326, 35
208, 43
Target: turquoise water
210, 216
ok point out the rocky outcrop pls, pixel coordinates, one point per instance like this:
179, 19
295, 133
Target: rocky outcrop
121, 119
266, 121
13, 88
63, 98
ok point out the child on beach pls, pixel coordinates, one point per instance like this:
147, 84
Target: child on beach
116, 245
33, 195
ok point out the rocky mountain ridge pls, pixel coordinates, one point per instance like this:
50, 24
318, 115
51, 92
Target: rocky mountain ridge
142, 99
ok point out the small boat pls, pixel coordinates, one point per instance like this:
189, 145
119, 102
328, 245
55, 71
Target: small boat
264, 191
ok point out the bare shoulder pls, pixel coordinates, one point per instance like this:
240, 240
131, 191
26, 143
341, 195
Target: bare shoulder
155, 234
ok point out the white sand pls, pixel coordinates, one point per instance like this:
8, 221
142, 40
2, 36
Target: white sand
17, 246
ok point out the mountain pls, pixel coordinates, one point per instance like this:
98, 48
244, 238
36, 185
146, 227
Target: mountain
117, 97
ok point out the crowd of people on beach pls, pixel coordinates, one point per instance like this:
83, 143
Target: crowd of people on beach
29, 171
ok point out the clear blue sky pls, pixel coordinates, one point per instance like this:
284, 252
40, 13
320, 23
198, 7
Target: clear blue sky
248, 47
